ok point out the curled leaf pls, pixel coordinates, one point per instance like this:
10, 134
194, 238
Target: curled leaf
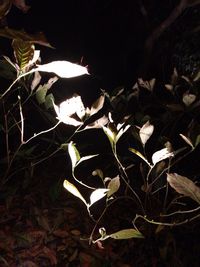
184, 186
97, 105
188, 99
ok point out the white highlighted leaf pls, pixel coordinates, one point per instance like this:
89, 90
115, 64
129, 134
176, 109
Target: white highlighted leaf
64, 69
73, 190
187, 140
113, 186
126, 234
161, 155
97, 195
146, 132
184, 186
74, 154
86, 158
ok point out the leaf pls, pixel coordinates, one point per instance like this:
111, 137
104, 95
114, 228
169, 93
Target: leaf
64, 69
41, 94
110, 134
113, 186
126, 234
184, 186
161, 155
23, 51
187, 140
42, 90
136, 152
37, 38
49, 100
188, 99
97, 195
146, 132
5, 8
86, 158
74, 154
121, 132
99, 123
97, 105
36, 80
197, 141
73, 190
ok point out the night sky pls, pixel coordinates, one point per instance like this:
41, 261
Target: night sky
107, 36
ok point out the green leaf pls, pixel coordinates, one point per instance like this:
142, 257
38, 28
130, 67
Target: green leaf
197, 140
23, 51
136, 152
41, 94
73, 190
49, 100
126, 234
113, 186
74, 154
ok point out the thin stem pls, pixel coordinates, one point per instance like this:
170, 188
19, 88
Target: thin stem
22, 120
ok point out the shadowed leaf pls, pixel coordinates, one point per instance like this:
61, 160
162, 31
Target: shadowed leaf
184, 186
113, 185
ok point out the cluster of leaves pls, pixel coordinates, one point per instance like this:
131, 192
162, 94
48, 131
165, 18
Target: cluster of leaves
164, 131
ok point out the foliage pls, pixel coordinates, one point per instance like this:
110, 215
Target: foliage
148, 134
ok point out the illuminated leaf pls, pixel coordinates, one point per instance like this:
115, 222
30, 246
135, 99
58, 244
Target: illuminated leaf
97, 105
197, 140
74, 154
184, 186
126, 234
161, 155
86, 158
97, 195
136, 152
73, 190
187, 140
146, 132
110, 134
99, 123
64, 69
121, 132
113, 186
